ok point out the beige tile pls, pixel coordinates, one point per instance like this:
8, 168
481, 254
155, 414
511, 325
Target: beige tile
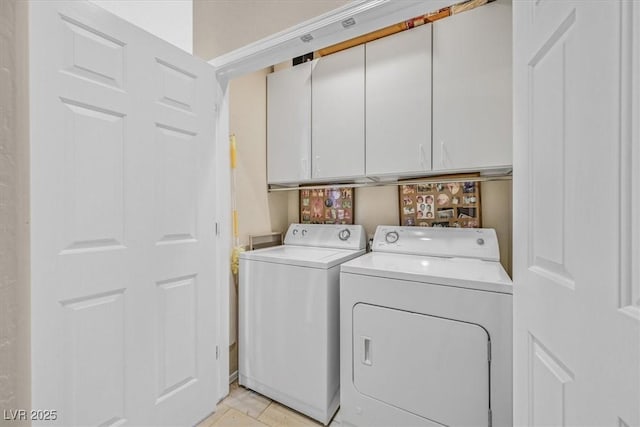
234, 418
221, 409
277, 415
246, 401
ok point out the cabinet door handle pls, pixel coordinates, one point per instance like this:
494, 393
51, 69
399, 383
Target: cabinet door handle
317, 165
422, 156
366, 351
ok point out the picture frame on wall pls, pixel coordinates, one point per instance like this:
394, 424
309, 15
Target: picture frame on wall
335, 205
446, 204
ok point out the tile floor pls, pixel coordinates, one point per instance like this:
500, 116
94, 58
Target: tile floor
246, 408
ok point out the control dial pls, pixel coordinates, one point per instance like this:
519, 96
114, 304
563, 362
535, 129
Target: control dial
344, 234
295, 231
392, 237
304, 232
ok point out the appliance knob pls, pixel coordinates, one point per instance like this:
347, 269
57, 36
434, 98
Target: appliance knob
295, 231
392, 237
480, 241
344, 234
304, 232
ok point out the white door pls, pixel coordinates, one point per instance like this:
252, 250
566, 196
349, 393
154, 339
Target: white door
398, 103
337, 119
440, 358
289, 124
576, 230
122, 225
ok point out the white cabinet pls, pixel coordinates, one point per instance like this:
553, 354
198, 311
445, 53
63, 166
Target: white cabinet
289, 125
337, 124
398, 104
472, 81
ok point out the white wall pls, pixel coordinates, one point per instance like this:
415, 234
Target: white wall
221, 26
258, 211
14, 219
171, 20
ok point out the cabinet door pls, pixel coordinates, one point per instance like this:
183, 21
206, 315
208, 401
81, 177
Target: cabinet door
289, 124
398, 103
338, 115
472, 89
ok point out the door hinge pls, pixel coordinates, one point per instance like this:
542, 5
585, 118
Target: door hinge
217, 352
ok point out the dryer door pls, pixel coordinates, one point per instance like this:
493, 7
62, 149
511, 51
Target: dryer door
432, 367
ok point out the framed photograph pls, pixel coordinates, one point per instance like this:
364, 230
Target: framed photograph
452, 204
327, 206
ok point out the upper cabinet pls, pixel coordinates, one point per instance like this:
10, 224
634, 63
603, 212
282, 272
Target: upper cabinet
398, 104
289, 125
337, 123
434, 99
472, 107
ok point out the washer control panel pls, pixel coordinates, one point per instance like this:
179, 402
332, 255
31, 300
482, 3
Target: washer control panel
340, 236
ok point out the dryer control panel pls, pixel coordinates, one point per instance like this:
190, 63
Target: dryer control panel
479, 243
338, 236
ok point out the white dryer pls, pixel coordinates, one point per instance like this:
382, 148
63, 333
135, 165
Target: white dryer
289, 317
425, 331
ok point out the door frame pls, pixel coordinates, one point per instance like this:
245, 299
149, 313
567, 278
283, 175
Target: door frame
326, 29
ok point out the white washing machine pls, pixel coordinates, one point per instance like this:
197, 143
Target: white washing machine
425, 330
289, 317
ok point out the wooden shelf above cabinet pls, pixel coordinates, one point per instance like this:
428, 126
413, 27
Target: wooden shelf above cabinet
402, 26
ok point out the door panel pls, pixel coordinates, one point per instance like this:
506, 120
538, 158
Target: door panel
122, 236
94, 330
93, 177
416, 362
576, 334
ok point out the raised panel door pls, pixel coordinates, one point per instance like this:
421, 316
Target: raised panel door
122, 208
576, 323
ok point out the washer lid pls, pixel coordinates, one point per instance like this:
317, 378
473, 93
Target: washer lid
459, 272
481, 243
303, 256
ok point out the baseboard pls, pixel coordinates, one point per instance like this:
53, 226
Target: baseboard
233, 377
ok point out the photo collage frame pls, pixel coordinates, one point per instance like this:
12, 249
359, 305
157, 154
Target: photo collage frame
327, 206
453, 204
